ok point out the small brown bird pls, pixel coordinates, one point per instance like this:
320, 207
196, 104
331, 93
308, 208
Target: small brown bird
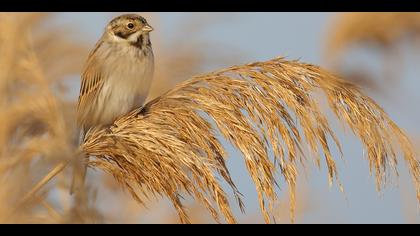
116, 78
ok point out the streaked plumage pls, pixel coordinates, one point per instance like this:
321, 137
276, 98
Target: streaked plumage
118, 73
116, 78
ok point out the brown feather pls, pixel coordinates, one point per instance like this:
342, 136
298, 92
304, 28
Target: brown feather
89, 88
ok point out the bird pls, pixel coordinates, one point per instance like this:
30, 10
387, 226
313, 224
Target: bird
116, 78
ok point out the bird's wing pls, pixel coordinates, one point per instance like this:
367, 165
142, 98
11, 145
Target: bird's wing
91, 83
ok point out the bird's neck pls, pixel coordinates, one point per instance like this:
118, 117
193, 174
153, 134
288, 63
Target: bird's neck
142, 42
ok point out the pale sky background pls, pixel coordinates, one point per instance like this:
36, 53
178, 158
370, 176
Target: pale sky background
262, 36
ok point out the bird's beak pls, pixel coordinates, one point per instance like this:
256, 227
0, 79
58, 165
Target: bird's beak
147, 28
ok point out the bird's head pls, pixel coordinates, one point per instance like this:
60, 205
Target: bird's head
131, 28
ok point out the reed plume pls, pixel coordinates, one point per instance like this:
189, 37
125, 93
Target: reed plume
172, 146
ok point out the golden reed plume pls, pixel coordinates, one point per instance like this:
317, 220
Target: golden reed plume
172, 146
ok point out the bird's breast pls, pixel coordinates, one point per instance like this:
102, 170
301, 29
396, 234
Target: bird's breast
127, 83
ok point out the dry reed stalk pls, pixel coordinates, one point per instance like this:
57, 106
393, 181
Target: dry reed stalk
172, 146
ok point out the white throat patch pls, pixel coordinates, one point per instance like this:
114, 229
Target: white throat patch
133, 38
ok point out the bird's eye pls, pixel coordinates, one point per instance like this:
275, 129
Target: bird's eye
130, 25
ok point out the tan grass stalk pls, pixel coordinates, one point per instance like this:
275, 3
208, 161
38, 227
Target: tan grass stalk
172, 147
58, 169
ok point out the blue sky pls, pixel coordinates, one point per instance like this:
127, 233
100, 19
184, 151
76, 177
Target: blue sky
262, 36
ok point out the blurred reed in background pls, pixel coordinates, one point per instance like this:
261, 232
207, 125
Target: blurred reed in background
36, 129
382, 33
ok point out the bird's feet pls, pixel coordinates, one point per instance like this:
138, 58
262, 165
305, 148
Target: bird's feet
109, 129
141, 112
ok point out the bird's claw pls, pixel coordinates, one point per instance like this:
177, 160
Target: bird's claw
110, 128
141, 112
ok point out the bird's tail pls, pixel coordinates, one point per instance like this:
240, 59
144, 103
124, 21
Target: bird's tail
79, 169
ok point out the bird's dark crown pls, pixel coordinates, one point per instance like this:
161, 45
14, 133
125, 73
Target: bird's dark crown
133, 17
